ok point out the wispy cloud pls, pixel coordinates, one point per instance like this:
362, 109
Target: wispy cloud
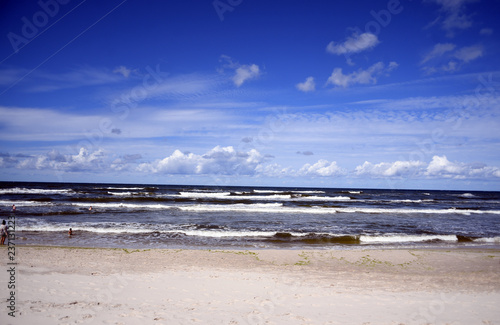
454, 16
469, 53
438, 50
353, 44
446, 58
124, 71
42, 81
25, 124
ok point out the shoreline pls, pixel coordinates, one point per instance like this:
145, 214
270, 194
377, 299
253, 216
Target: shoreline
211, 286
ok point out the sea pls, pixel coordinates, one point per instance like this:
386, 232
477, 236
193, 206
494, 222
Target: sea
200, 217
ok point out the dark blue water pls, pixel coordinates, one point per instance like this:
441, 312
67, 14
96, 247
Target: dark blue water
160, 216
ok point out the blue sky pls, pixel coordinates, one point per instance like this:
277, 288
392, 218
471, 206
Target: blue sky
361, 94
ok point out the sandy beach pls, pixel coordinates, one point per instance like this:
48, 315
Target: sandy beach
120, 286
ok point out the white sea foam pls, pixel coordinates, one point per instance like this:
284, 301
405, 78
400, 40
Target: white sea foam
124, 205
415, 211
126, 188
280, 192
395, 238
322, 198
488, 240
24, 203
259, 207
120, 193
221, 233
19, 190
205, 194
273, 197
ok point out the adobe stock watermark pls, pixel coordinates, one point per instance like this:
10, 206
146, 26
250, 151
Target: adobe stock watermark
34, 25
223, 6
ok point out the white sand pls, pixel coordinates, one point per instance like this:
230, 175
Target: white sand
104, 286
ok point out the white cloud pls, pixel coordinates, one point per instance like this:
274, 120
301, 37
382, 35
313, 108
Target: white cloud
124, 71
218, 161
398, 168
438, 50
26, 124
242, 72
83, 161
368, 76
246, 72
439, 167
228, 161
353, 44
469, 53
307, 85
322, 168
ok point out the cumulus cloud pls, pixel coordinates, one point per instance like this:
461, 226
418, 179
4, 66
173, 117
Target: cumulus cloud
398, 168
228, 161
242, 72
246, 72
307, 85
218, 161
368, 76
439, 167
353, 44
54, 160
321, 168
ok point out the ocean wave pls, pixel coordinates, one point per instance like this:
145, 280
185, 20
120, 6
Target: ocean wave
124, 205
274, 207
121, 193
19, 190
257, 207
281, 196
467, 195
286, 192
126, 188
20, 204
202, 195
276, 237
399, 238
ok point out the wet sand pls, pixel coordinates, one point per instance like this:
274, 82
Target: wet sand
120, 286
